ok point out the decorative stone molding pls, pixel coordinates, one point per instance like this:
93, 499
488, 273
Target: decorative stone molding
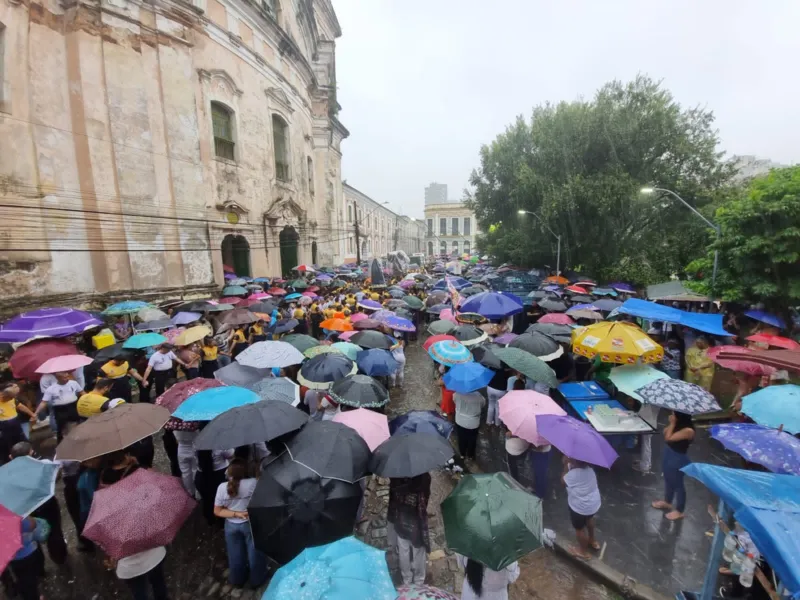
280, 97
219, 76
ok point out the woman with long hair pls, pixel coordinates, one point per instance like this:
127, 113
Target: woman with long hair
211, 469
678, 436
482, 583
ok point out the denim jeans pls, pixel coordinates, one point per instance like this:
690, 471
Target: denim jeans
247, 565
540, 465
493, 411
674, 487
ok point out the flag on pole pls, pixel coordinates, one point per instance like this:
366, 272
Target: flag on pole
455, 297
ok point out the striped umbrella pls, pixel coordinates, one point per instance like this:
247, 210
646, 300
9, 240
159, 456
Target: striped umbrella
449, 353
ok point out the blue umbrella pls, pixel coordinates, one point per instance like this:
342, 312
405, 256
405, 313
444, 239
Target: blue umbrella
450, 353
400, 324
774, 406
205, 405
582, 307
437, 308
376, 362
776, 450
423, 421
371, 304
764, 317
293, 296
261, 280
234, 290
458, 282
398, 293
127, 307
467, 377
26, 484
349, 350
183, 318
493, 305
237, 281
144, 340
604, 292
347, 569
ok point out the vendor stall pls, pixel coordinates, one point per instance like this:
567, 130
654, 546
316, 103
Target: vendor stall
591, 403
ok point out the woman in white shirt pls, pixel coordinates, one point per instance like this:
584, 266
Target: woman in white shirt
246, 564
481, 583
398, 353
583, 498
62, 398
468, 420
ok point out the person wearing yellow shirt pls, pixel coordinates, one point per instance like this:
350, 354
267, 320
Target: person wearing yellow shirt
302, 324
210, 352
237, 341
11, 430
257, 332
118, 370
97, 400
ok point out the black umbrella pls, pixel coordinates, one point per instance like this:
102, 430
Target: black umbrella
581, 299
437, 308
105, 354
372, 339
250, 424
239, 375
360, 391
606, 304
483, 354
436, 297
292, 508
238, 316
196, 306
538, 344
300, 341
265, 306
552, 305
284, 326
469, 335
322, 370
154, 325
410, 454
330, 449
560, 333
404, 313
472, 290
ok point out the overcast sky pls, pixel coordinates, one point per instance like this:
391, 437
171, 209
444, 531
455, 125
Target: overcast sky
423, 83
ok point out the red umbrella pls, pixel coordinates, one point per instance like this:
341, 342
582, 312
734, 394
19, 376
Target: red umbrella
10, 536
774, 340
178, 393
437, 338
557, 318
276, 291
576, 289
230, 300
143, 511
313, 288
741, 364
26, 359
780, 359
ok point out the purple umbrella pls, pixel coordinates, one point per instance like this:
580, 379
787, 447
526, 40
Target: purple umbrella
506, 338
622, 287
367, 324
400, 324
47, 323
230, 276
371, 304
382, 315
576, 440
407, 283
776, 450
184, 318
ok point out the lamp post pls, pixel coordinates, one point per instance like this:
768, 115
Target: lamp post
711, 224
358, 230
558, 237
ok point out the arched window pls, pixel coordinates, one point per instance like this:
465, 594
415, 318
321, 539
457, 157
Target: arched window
349, 213
280, 142
310, 175
222, 122
430, 248
455, 247
466, 247
442, 247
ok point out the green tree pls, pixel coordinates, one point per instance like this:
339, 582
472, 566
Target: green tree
759, 245
580, 166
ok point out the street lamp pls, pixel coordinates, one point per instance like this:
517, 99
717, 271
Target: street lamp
711, 224
558, 237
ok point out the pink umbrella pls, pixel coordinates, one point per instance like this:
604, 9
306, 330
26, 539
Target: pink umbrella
518, 410
143, 511
742, 365
447, 315
309, 294
61, 364
407, 283
178, 393
230, 300
172, 334
356, 317
259, 296
10, 535
346, 335
371, 426
557, 318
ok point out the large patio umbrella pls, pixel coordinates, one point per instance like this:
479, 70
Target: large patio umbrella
330, 450
250, 424
616, 342
360, 391
410, 454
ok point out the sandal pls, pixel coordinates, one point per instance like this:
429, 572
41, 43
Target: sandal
578, 553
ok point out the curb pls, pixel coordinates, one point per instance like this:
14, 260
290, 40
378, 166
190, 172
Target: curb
621, 583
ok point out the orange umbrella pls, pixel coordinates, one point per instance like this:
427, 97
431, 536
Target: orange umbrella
336, 325
557, 279
576, 289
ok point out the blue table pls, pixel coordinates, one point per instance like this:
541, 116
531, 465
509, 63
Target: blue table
580, 396
583, 390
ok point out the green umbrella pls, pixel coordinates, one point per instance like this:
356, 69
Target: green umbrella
234, 290
413, 302
490, 519
337, 283
300, 341
440, 327
527, 364
298, 284
316, 350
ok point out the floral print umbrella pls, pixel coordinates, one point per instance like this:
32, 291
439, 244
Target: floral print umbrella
679, 396
423, 592
776, 450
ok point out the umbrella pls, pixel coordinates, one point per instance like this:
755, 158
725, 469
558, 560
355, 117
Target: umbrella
128, 307
317, 350
556, 318
300, 341
376, 362
346, 335
26, 484
154, 325
347, 569
764, 317
538, 344
331, 450
207, 404
449, 353
472, 291
63, 364
284, 326
304, 269
467, 377
276, 291
234, 290
349, 350
590, 307
437, 338
378, 315
200, 306
606, 304
576, 439
583, 313
774, 340
105, 354
410, 454
743, 364
437, 309
144, 340
238, 375
421, 421
469, 335
144, 510
526, 363
629, 378
261, 421
414, 302
441, 327
360, 391
368, 324
774, 406
237, 281
240, 316
519, 409
488, 518
192, 335
560, 333
679, 396
231, 301
266, 307
552, 305
370, 304
298, 284
294, 296
447, 315
470, 318
484, 355
373, 427
372, 339
356, 317
184, 318
112, 430
400, 324
271, 354
280, 389
398, 293
616, 342
604, 292
336, 325
436, 297
320, 372
178, 393
11, 536
778, 451
151, 314
505, 339
419, 591
47, 323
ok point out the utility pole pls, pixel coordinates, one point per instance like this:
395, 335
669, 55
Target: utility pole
358, 241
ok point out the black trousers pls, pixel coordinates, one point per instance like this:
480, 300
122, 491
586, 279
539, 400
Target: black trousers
26, 574
207, 484
153, 578
121, 389
160, 381
207, 368
66, 413
171, 448
50, 511
467, 441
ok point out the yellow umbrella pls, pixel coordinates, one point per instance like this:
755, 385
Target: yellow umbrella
192, 335
616, 342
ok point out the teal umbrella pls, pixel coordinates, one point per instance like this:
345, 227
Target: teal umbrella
144, 340
128, 307
490, 519
298, 284
629, 378
414, 302
774, 406
301, 341
349, 350
26, 484
527, 364
441, 327
234, 290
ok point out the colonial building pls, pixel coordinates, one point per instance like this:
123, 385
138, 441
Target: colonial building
450, 226
150, 146
376, 228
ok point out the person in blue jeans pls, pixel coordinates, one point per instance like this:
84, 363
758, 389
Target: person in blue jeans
246, 564
678, 436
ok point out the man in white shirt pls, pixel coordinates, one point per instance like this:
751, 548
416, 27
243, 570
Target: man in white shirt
62, 398
49, 379
160, 364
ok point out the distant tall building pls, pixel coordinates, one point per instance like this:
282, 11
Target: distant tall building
436, 193
749, 166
